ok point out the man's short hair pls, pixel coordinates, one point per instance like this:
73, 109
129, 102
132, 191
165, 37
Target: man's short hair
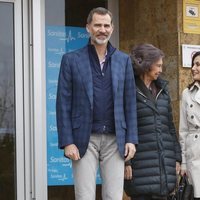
99, 11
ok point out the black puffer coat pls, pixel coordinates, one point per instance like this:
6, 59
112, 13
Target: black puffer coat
158, 150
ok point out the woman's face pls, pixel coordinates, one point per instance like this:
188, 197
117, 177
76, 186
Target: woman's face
196, 69
155, 70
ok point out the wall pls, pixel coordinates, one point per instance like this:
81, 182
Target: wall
153, 22
184, 38
158, 22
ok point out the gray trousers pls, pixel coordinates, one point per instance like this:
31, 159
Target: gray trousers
102, 152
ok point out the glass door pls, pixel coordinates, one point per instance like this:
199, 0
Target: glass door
22, 128
7, 103
65, 22
11, 102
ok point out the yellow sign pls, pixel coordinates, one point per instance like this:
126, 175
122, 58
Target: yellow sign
191, 16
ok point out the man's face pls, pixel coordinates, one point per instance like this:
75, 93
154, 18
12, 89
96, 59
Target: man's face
100, 29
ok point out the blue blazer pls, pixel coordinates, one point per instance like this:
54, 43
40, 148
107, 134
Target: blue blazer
74, 104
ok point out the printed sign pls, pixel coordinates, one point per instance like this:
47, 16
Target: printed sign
187, 52
191, 17
59, 40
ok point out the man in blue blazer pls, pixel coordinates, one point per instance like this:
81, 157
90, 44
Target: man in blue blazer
96, 111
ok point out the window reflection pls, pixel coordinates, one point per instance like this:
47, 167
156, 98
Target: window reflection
7, 104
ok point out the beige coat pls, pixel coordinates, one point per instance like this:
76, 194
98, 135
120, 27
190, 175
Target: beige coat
189, 131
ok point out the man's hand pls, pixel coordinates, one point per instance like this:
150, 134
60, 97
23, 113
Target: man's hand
72, 152
128, 172
129, 151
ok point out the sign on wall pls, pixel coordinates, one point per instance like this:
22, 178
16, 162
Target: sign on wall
187, 52
191, 16
59, 39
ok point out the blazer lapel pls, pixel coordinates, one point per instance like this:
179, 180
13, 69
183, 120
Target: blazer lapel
83, 65
115, 70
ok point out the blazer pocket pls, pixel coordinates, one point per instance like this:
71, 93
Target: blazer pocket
76, 122
124, 125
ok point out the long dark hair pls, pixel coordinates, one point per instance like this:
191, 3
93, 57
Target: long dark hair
192, 63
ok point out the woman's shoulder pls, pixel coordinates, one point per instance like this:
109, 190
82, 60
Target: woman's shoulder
186, 93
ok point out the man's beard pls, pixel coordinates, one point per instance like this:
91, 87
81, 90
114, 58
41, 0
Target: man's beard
99, 41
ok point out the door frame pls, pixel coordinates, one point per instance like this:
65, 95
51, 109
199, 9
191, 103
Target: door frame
37, 55
30, 95
30, 99
35, 169
19, 107
18, 89
39, 139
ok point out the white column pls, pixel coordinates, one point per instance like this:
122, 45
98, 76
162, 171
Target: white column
39, 101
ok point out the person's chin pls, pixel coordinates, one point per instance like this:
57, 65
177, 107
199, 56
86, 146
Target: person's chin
196, 78
155, 78
101, 42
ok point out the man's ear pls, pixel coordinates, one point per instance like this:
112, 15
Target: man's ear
87, 28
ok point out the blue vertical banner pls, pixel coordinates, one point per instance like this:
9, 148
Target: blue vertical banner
59, 40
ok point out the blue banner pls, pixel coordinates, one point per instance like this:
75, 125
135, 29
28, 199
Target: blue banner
59, 40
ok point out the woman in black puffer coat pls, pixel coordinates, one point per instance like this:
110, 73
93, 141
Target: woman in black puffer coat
151, 174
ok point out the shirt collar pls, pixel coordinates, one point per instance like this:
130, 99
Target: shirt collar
103, 61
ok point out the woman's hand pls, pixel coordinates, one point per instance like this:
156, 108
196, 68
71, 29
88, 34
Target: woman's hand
128, 173
178, 167
183, 172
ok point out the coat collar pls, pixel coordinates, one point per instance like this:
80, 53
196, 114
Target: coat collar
195, 92
194, 86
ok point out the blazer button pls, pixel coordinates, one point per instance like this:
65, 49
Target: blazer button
192, 117
196, 126
191, 105
196, 136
